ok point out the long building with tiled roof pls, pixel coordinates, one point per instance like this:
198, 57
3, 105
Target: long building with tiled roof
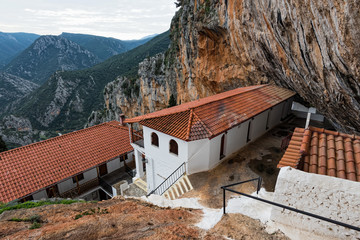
28, 169
317, 150
210, 116
202, 133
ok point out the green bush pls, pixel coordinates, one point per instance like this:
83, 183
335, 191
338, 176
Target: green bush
35, 225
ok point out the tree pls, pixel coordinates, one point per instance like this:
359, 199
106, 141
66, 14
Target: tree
172, 101
3, 147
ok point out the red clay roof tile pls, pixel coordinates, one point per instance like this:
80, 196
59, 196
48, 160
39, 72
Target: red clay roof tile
325, 152
30, 168
210, 116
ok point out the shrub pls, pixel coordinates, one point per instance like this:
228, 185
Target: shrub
35, 225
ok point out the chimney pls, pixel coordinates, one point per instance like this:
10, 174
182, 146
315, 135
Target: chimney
122, 119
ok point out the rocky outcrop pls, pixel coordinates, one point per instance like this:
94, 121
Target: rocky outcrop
17, 131
13, 88
149, 92
310, 47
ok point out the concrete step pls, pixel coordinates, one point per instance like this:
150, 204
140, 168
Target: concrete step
141, 184
181, 186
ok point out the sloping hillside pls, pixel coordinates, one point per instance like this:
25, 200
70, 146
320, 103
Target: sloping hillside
103, 47
66, 100
13, 43
47, 55
13, 88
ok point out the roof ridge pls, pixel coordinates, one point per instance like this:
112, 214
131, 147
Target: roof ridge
206, 127
335, 133
56, 138
256, 87
189, 124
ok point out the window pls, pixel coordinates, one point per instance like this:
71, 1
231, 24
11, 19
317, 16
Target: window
154, 139
79, 177
123, 157
173, 147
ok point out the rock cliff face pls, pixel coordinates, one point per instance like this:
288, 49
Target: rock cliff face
13, 88
308, 46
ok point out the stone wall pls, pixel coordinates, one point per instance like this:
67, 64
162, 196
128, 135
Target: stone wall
331, 197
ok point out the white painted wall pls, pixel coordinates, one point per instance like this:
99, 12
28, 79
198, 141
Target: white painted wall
68, 184
326, 196
236, 138
40, 195
113, 165
275, 115
198, 156
164, 161
258, 125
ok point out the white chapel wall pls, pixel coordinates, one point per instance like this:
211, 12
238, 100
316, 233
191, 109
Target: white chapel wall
331, 197
258, 125
275, 115
199, 154
236, 138
164, 161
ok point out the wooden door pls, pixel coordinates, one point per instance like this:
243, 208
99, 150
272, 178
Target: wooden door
103, 169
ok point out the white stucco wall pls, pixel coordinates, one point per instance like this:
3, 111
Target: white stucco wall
258, 125
68, 184
326, 196
236, 138
198, 155
40, 195
275, 115
164, 161
113, 165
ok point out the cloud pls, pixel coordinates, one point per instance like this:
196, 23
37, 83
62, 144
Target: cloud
122, 19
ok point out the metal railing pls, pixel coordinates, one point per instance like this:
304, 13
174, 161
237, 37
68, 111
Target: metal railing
259, 179
169, 181
105, 186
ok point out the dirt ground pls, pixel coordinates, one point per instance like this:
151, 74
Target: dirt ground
258, 158
125, 219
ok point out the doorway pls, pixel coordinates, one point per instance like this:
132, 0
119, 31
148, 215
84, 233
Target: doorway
222, 147
103, 170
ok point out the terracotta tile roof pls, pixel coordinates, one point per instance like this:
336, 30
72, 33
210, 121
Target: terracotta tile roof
325, 152
27, 169
210, 116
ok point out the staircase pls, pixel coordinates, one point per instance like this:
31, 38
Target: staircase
141, 184
180, 187
175, 185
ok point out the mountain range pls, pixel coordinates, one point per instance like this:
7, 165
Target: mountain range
65, 101
12, 44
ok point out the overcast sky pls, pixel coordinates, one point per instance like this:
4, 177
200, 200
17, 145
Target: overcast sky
122, 19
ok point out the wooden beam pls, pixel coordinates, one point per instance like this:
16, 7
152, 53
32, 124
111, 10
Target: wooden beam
77, 184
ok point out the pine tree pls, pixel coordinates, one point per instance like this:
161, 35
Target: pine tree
3, 147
